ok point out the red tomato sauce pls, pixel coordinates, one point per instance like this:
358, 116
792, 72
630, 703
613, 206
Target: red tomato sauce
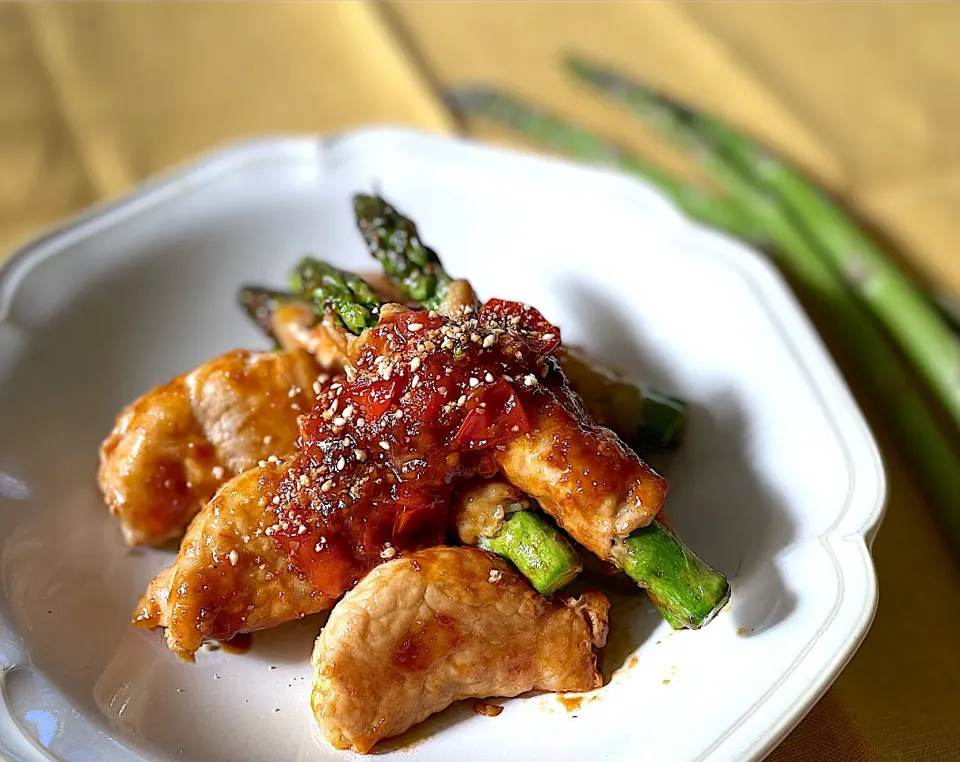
432, 399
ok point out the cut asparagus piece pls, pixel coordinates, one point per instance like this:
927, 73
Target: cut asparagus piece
349, 296
538, 125
683, 587
537, 548
393, 241
911, 319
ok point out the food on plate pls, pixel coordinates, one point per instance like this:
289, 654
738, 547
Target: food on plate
494, 515
451, 421
229, 576
439, 625
171, 449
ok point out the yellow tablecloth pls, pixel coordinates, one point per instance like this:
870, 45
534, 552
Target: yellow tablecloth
94, 97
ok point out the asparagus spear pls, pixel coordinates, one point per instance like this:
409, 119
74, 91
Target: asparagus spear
913, 322
394, 242
260, 303
685, 589
578, 143
349, 296
538, 549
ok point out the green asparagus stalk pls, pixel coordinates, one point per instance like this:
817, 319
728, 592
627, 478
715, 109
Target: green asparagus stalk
537, 548
912, 320
394, 242
347, 295
260, 303
578, 143
685, 589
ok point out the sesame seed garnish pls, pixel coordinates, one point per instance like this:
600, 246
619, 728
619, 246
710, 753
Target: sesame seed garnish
348, 412
489, 340
414, 364
262, 464
341, 463
415, 382
276, 500
547, 337
388, 552
530, 380
385, 445
414, 326
495, 575
234, 557
325, 487
508, 379
273, 459
488, 378
304, 480
338, 421
462, 401
360, 455
473, 382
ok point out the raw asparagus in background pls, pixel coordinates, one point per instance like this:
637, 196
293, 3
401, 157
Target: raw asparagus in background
913, 321
540, 126
863, 339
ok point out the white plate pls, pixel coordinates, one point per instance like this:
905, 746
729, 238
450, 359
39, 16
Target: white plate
779, 483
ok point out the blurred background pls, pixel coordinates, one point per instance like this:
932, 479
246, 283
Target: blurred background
862, 98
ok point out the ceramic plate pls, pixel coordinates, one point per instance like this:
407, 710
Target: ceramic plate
779, 483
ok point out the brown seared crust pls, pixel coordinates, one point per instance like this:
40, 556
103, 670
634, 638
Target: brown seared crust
582, 474
439, 625
171, 449
480, 505
229, 576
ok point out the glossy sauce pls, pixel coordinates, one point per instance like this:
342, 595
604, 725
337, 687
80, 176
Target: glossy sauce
432, 398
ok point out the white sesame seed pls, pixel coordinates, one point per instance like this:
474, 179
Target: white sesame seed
341, 463
462, 401
273, 459
234, 557
414, 364
529, 380
360, 455
304, 480
385, 445
495, 575
262, 464
508, 379
489, 341
338, 421
276, 499
473, 382
398, 414
301, 529
415, 382
547, 337
348, 412
325, 487
488, 378
388, 553
414, 326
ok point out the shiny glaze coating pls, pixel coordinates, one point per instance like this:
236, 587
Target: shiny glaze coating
439, 625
